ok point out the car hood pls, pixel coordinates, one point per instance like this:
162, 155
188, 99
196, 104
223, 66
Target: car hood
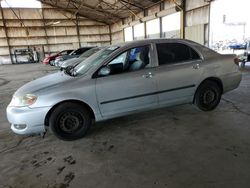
69, 61
52, 80
65, 57
72, 62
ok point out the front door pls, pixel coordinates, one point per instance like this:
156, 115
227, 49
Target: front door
130, 85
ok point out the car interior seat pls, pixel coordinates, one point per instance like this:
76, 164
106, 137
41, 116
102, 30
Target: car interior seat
142, 60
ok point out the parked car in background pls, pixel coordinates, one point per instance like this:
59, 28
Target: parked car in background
120, 80
246, 55
51, 58
75, 61
238, 46
74, 54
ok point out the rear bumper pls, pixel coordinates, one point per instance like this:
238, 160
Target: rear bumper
26, 120
231, 81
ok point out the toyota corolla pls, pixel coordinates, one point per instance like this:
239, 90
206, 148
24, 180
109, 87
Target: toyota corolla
120, 80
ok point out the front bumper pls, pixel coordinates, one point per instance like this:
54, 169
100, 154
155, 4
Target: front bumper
25, 120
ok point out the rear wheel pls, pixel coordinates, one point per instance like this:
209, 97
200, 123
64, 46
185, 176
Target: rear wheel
70, 121
208, 95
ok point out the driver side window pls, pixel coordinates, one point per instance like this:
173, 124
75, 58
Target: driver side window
132, 60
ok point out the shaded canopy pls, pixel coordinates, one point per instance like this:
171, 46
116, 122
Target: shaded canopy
105, 11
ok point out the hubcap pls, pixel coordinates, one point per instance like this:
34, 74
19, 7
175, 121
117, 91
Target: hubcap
209, 96
70, 122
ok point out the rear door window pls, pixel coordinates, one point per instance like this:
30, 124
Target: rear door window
169, 53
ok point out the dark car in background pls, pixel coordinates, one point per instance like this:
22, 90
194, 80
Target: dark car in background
51, 58
75, 61
74, 54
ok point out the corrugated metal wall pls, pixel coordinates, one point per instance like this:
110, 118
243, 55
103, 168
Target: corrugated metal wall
197, 21
55, 30
48, 29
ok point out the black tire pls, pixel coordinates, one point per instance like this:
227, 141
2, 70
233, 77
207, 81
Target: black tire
208, 95
70, 121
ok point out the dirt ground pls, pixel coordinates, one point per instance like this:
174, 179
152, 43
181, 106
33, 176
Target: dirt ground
172, 147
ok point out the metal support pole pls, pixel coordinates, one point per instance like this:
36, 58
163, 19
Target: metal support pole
145, 30
110, 34
78, 31
161, 30
45, 31
183, 19
6, 34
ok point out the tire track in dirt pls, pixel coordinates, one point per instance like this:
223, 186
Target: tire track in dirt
3, 81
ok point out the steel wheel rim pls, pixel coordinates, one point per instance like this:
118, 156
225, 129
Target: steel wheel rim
209, 96
71, 122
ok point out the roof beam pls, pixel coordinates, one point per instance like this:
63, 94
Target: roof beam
71, 11
132, 12
106, 13
133, 4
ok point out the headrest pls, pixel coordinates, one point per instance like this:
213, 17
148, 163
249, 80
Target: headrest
138, 56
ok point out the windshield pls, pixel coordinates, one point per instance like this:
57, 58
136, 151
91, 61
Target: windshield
79, 51
89, 52
73, 52
76, 52
93, 61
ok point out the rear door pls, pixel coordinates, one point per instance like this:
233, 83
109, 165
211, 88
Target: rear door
178, 72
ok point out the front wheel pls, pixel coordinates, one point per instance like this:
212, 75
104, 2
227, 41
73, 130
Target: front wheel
70, 121
208, 95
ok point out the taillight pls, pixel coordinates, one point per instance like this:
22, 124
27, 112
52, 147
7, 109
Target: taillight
236, 61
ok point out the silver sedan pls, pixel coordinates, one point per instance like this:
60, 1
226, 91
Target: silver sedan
75, 61
120, 80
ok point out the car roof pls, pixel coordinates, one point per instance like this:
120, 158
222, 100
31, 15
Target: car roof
138, 42
204, 51
86, 47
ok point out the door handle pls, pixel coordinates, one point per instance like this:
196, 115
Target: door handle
149, 75
196, 66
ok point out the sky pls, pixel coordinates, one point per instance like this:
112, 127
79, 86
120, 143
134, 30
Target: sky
236, 11
21, 3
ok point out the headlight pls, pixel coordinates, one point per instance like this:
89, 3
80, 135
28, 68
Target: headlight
21, 101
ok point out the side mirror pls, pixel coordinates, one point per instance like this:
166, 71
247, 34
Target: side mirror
104, 71
68, 68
